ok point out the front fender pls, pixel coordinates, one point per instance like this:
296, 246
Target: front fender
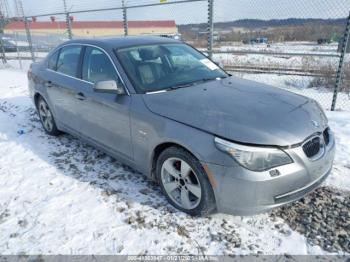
150, 130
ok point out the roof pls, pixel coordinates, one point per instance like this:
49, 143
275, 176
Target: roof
123, 41
90, 24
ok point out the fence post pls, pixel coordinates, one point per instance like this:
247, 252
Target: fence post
29, 38
69, 26
3, 56
68, 21
18, 54
125, 19
210, 28
2, 48
338, 80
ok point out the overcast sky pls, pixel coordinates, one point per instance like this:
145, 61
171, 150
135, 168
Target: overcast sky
224, 10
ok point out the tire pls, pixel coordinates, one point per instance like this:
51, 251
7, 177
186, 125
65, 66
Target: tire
46, 118
184, 182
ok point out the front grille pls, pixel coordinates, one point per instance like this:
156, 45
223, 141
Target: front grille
326, 136
312, 147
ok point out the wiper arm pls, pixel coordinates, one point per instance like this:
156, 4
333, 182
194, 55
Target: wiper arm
208, 79
192, 83
179, 86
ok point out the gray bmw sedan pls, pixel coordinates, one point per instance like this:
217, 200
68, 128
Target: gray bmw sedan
213, 142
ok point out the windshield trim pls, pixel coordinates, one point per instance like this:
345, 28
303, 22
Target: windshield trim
163, 89
156, 92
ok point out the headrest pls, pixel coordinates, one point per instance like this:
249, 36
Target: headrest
147, 54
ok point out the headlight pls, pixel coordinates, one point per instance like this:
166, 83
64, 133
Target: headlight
254, 158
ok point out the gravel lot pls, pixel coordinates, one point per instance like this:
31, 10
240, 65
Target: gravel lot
323, 217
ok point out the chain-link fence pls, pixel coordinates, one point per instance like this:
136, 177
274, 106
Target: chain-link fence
302, 54
296, 45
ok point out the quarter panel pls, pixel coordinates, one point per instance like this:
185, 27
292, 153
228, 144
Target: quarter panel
37, 77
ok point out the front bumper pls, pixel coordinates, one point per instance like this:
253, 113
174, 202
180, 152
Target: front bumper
243, 192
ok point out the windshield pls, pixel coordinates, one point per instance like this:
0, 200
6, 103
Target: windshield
166, 66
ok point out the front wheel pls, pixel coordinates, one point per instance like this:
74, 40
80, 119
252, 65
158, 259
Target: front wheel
46, 118
184, 182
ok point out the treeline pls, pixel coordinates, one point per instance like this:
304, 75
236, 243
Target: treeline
275, 30
253, 23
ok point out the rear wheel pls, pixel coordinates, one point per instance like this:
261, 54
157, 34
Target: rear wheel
184, 182
46, 118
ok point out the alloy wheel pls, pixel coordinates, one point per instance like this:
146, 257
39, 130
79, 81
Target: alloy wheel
181, 183
45, 116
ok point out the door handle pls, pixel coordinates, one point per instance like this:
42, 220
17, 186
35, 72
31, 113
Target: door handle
80, 96
48, 84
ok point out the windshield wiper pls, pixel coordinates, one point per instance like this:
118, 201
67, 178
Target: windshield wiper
179, 86
192, 83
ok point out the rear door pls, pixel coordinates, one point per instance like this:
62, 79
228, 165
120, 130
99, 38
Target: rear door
105, 117
63, 86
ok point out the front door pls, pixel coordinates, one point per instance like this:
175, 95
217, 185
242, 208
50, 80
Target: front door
104, 116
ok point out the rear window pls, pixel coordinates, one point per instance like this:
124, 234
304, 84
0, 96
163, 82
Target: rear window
53, 61
68, 60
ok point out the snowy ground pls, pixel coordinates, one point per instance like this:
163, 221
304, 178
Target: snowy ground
299, 85
295, 83
61, 196
310, 61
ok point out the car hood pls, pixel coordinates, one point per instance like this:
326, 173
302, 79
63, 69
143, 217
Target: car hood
242, 111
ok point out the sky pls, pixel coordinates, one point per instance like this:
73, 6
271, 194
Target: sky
224, 10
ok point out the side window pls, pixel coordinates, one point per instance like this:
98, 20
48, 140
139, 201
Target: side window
97, 66
180, 57
53, 61
68, 60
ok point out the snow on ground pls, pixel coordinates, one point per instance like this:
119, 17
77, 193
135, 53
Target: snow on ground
299, 85
295, 83
295, 47
272, 60
61, 196
340, 123
277, 61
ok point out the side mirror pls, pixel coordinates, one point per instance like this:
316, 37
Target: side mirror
108, 86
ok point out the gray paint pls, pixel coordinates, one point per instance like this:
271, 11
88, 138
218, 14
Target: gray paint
129, 127
240, 110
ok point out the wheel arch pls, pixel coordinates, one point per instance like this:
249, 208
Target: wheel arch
37, 95
160, 148
209, 187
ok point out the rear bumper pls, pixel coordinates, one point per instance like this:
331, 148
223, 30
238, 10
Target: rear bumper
242, 192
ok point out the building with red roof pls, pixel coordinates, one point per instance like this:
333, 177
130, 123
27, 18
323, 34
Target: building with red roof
93, 28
